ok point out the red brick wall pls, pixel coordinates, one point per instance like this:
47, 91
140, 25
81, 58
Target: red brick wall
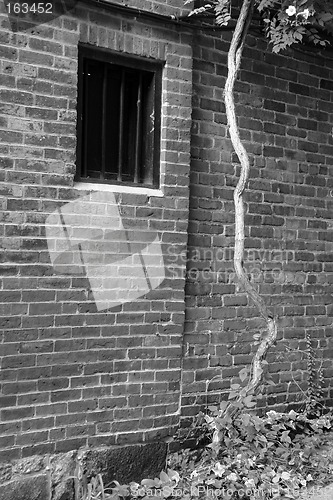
285, 109
72, 375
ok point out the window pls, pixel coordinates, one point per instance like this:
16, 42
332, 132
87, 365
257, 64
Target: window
119, 115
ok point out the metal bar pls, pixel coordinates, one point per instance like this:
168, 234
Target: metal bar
138, 131
84, 117
104, 111
121, 126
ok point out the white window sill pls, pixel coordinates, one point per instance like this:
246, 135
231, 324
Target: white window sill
116, 188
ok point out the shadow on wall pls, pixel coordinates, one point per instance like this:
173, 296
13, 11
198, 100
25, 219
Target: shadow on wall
87, 238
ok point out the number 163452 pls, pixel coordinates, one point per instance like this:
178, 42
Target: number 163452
26, 8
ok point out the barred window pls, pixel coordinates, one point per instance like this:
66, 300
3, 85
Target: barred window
119, 115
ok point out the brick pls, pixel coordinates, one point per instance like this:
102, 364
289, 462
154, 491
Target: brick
70, 444
21, 387
16, 97
38, 449
10, 454
18, 361
52, 384
67, 395
17, 413
299, 89
31, 438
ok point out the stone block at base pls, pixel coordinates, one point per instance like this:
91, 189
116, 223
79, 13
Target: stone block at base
131, 463
28, 488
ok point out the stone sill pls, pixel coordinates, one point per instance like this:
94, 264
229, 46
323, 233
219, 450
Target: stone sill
116, 188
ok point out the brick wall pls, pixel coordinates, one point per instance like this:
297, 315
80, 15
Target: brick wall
285, 109
73, 375
164, 7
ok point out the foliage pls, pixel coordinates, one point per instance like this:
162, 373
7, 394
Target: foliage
255, 458
296, 21
92, 490
314, 396
286, 22
247, 456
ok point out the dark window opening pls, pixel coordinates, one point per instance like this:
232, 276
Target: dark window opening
119, 114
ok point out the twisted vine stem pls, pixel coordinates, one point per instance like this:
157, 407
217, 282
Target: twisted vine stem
234, 62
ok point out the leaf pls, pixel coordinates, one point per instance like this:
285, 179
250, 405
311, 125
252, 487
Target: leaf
174, 476
245, 419
200, 10
243, 374
326, 17
114, 496
266, 4
238, 404
223, 405
150, 483
164, 477
285, 437
248, 401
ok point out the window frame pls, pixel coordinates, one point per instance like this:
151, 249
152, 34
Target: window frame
109, 56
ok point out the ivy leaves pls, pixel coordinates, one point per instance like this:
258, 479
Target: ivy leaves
252, 458
296, 21
286, 22
269, 457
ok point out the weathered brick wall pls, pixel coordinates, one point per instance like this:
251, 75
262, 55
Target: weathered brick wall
164, 7
285, 105
72, 375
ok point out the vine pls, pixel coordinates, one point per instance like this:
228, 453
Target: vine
247, 457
